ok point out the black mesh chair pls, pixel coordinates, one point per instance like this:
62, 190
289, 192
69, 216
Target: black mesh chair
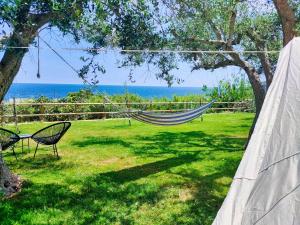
7, 140
51, 135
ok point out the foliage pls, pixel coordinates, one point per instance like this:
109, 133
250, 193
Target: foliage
233, 90
108, 23
111, 173
215, 26
1, 193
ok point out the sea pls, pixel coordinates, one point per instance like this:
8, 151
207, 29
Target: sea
54, 91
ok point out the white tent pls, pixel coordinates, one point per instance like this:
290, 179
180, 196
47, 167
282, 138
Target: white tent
266, 186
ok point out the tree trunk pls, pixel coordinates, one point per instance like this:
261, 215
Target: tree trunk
258, 89
9, 67
288, 19
259, 96
288, 22
9, 183
12, 59
22, 36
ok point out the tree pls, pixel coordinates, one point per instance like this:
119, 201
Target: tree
231, 27
101, 23
234, 26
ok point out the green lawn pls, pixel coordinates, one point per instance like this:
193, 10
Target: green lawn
110, 173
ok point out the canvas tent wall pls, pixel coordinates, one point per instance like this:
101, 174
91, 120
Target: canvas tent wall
266, 186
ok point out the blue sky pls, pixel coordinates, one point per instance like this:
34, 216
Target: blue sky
54, 70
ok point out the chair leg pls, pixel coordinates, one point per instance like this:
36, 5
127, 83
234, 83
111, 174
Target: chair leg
14, 153
36, 149
53, 150
56, 150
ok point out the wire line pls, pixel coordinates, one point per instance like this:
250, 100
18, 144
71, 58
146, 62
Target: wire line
59, 55
154, 50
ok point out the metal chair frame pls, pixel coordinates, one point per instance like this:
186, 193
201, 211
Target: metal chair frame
10, 145
46, 140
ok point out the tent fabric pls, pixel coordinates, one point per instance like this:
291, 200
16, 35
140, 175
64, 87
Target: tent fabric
170, 119
266, 187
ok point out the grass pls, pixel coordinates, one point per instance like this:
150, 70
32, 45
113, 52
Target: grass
110, 173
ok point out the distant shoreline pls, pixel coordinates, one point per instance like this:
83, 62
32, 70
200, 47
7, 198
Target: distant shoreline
55, 91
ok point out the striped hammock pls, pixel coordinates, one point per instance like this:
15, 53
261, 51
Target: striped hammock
164, 119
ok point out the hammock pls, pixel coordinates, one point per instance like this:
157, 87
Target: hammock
163, 119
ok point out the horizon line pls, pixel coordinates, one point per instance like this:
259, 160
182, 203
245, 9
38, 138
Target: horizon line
131, 85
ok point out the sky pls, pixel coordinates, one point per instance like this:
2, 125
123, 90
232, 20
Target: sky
54, 70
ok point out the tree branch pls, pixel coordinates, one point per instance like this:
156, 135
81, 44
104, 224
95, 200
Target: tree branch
221, 64
217, 43
209, 42
40, 20
231, 27
216, 30
3, 39
263, 56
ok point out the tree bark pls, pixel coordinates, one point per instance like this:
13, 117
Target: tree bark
266, 64
259, 96
256, 84
258, 89
9, 67
288, 19
22, 36
9, 182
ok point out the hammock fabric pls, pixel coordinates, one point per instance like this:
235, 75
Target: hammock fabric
169, 119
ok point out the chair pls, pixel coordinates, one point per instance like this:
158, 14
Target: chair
8, 139
50, 135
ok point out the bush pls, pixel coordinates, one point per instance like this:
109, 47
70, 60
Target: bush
238, 90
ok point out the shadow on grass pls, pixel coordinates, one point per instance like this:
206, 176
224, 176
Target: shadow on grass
102, 140
141, 171
45, 160
117, 197
177, 143
97, 199
169, 143
207, 191
45, 163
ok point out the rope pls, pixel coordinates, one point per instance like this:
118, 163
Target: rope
38, 75
60, 56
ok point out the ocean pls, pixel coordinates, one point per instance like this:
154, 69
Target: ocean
19, 90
